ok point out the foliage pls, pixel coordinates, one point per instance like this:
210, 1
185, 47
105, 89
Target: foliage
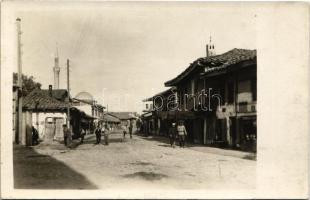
28, 83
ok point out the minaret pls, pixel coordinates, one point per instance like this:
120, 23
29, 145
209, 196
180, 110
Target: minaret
56, 70
210, 48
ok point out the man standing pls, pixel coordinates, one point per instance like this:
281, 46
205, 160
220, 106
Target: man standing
83, 133
35, 136
130, 128
98, 134
67, 135
106, 134
64, 128
182, 133
125, 129
172, 134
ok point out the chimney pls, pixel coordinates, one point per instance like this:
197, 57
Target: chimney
50, 90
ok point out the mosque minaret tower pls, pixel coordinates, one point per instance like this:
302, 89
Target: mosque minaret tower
56, 70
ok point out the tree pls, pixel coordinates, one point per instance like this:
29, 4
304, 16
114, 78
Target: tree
28, 83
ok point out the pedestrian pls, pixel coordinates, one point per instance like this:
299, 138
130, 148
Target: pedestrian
125, 130
172, 134
98, 134
64, 127
181, 133
102, 131
67, 136
35, 136
130, 128
83, 133
106, 134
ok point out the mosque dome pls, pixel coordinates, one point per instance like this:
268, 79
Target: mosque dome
84, 96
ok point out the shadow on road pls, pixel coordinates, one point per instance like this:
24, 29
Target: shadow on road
149, 176
37, 171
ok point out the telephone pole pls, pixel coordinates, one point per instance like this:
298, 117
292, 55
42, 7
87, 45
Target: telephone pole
19, 119
68, 98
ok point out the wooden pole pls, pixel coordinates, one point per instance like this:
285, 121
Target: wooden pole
68, 97
20, 84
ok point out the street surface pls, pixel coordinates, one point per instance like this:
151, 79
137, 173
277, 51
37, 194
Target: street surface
141, 162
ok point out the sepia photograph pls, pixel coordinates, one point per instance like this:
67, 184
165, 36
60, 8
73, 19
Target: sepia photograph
145, 96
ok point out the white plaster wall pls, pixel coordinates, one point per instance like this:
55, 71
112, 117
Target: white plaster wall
41, 120
230, 111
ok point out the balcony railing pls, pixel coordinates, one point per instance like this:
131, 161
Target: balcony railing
246, 107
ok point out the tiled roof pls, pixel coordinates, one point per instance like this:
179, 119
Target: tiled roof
123, 115
59, 94
109, 118
41, 100
163, 93
216, 63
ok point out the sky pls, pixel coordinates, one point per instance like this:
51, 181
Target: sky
122, 53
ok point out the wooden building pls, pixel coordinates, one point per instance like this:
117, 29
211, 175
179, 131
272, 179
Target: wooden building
114, 122
217, 99
161, 114
126, 118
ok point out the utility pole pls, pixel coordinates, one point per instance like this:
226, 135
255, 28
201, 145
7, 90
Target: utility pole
68, 98
19, 120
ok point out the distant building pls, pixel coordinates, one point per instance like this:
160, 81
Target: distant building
111, 120
85, 101
125, 117
157, 120
46, 110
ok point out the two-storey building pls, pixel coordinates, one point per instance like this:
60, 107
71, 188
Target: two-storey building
217, 99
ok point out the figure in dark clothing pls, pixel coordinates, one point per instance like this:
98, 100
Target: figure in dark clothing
98, 135
35, 136
106, 134
83, 133
64, 127
130, 128
67, 135
172, 134
124, 134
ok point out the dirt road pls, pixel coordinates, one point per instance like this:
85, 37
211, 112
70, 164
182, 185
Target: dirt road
137, 163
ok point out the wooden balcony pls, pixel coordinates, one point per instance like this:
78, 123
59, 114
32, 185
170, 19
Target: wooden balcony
246, 107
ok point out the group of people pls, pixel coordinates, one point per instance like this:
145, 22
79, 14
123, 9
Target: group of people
177, 132
100, 130
104, 130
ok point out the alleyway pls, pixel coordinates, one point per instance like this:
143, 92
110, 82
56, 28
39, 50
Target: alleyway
132, 164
